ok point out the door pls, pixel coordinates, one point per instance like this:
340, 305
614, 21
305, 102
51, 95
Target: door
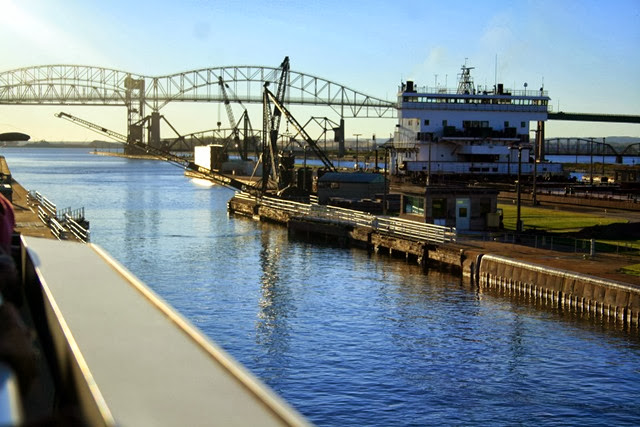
463, 213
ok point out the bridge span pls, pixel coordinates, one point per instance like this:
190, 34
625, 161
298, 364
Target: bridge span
598, 147
89, 85
92, 85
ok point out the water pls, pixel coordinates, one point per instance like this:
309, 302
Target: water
346, 338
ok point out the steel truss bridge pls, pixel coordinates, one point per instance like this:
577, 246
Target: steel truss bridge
88, 85
589, 147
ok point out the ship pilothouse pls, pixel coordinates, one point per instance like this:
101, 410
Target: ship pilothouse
467, 131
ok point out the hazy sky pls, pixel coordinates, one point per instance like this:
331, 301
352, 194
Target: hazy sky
586, 52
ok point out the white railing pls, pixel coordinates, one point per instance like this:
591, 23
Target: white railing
396, 227
60, 223
414, 230
58, 230
47, 205
76, 229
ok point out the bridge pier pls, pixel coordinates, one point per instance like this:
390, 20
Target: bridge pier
154, 130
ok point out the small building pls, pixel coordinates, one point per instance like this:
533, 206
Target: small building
350, 185
465, 208
213, 156
628, 177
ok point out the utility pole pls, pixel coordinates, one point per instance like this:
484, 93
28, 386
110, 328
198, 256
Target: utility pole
591, 162
518, 220
535, 166
357, 135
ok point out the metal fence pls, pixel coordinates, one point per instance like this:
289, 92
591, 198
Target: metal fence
396, 227
559, 243
62, 224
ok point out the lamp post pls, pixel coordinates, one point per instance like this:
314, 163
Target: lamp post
518, 187
535, 167
386, 169
357, 135
591, 162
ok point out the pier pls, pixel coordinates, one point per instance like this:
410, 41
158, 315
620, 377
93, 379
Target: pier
549, 275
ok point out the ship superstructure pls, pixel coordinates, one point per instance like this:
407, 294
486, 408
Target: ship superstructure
469, 130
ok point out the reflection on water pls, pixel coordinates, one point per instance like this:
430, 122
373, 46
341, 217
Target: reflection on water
275, 307
348, 338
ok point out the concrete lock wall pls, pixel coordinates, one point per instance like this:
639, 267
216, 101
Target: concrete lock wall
606, 298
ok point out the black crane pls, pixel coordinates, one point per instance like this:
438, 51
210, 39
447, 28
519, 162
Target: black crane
271, 127
203, 172
244, 119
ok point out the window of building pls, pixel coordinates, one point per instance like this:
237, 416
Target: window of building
414, 205
439, 208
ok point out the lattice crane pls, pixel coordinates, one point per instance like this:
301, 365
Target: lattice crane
210, 174
243, 149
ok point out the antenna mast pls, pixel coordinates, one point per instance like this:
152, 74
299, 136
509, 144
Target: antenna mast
465, 82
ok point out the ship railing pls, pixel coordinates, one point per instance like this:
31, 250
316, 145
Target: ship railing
504, 106
81, 233
454, 91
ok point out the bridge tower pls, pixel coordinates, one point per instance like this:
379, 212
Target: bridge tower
134, 100
154, 130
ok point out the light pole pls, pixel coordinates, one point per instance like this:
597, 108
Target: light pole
535, 167
518, 187
591, 162
357, 135
386, 168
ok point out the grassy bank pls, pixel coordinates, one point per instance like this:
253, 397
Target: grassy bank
555, 221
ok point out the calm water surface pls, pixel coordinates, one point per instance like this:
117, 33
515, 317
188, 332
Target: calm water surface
347, 338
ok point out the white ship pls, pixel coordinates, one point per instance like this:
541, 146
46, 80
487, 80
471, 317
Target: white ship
472, 132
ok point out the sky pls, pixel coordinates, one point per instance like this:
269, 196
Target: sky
586, 53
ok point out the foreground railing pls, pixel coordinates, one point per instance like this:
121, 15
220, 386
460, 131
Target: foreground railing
160, 371
396, 227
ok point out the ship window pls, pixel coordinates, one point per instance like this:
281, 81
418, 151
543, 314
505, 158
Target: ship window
506, 124
426, 122
522, 124
444, 123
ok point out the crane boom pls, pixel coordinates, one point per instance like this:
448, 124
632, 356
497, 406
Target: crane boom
92, 126
203, 172
225, 96
316, 149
